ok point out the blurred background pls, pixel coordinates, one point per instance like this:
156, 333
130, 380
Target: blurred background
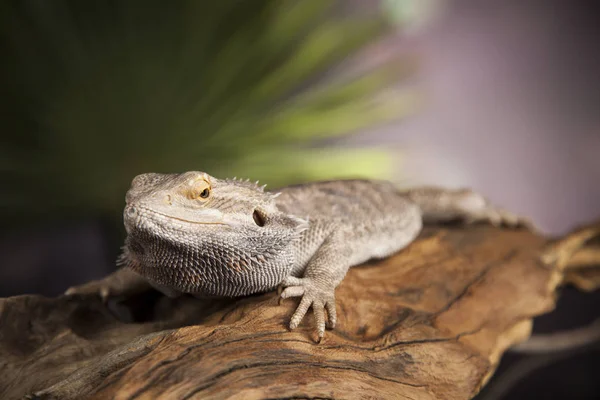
499, 95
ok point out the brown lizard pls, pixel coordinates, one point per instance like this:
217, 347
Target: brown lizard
193, 233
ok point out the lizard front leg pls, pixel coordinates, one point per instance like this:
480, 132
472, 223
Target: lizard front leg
322, 275
123, 282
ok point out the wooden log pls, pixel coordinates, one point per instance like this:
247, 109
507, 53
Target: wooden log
429, 323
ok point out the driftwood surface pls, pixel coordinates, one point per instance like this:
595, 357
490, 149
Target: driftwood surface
429, 323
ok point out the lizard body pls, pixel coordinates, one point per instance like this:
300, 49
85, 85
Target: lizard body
193, 233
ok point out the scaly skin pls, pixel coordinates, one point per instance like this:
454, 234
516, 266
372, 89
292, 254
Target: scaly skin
193, 233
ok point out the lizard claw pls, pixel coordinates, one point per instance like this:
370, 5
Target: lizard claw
314, 296
499, 217
95, 287
122, 283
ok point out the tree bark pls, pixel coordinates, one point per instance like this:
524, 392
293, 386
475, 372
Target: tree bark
428, 323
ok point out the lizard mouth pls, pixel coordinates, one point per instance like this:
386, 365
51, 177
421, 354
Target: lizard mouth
138, 216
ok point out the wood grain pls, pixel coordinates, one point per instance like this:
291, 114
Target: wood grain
429, 323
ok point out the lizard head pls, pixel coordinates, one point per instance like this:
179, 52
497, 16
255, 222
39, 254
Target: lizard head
198, 234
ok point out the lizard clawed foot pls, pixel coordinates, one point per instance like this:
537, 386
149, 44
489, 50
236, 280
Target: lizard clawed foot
499, 217
313, 295
99, 287
122, 283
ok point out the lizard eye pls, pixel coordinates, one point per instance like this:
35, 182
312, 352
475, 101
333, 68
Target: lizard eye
259, 219
197, 190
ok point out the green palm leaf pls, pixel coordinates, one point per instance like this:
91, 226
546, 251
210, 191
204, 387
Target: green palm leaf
101, 91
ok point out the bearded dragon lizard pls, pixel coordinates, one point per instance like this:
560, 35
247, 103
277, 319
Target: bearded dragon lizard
193, 233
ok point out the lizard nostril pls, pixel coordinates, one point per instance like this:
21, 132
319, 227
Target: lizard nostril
168, 200
131, 211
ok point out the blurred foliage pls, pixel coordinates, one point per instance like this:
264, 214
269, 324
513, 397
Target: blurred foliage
95, 92
412, 14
